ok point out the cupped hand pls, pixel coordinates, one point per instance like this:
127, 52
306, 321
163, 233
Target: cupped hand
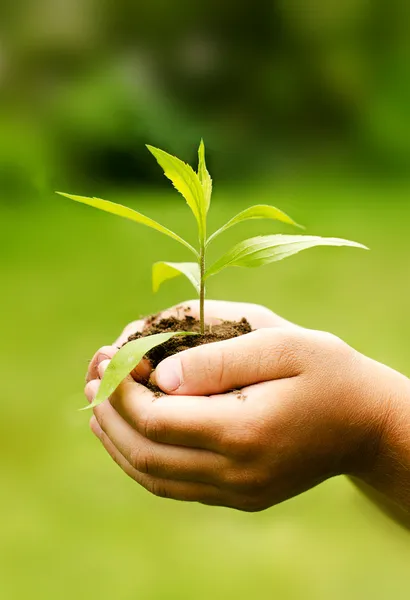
299, 418
215, 311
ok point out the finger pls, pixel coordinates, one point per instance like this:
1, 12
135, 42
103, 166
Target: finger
140, 373
143, 370
104, 353
91, 389
196, 422
92, 386
164, 488
215, 368
175, 420
159, 460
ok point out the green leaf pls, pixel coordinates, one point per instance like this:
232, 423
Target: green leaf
186, 181
204, 176
262, 250
161, 271
126, 359
128, 213
259, 211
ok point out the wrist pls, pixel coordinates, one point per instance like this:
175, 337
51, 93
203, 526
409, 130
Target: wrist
384, 462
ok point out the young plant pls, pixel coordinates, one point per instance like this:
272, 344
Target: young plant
196, 188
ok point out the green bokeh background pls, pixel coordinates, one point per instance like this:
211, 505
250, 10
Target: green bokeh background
304, 105
72, 525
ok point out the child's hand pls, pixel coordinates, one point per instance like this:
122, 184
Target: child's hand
311, 407
258, 317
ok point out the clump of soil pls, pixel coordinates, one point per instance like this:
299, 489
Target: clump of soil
215, 333
224, 330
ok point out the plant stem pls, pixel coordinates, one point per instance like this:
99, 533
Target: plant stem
202, 288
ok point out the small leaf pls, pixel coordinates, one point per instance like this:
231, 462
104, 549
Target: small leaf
262, 250
126, 359
128, 213
259, 211
161, 271
204, 176
186, 181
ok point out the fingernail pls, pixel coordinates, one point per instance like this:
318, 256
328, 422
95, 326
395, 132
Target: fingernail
142, 371
91, 390
169, 374
102, 367
105, 353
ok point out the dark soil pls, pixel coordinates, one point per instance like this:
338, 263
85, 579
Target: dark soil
224, 330
216, 333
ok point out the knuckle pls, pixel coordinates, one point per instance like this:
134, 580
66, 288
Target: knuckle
157, 488
235, 479
152, 427
329, 348
203, 365
263, 313
257, 479
275, 347
327, 339
261, 479
286, 354
336, 343
143, 460
253, 481
218, 368
243, 443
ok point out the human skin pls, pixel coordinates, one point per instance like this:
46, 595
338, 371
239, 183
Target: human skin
311, 408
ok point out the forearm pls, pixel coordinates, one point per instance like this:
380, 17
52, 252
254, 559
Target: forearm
387, 479
389, 507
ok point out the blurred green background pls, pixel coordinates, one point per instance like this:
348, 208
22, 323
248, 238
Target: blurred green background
304, 105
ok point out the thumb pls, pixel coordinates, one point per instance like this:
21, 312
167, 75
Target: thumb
216, 368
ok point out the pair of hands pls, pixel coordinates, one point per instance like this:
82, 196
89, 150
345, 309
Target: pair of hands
309, 409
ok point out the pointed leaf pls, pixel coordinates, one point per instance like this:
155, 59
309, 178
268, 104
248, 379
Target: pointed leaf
204, 176
186, 181
265, 249
128, 213
126, 359
259, 211
161, 271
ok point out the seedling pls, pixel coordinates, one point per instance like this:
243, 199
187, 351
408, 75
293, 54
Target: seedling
196, 188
